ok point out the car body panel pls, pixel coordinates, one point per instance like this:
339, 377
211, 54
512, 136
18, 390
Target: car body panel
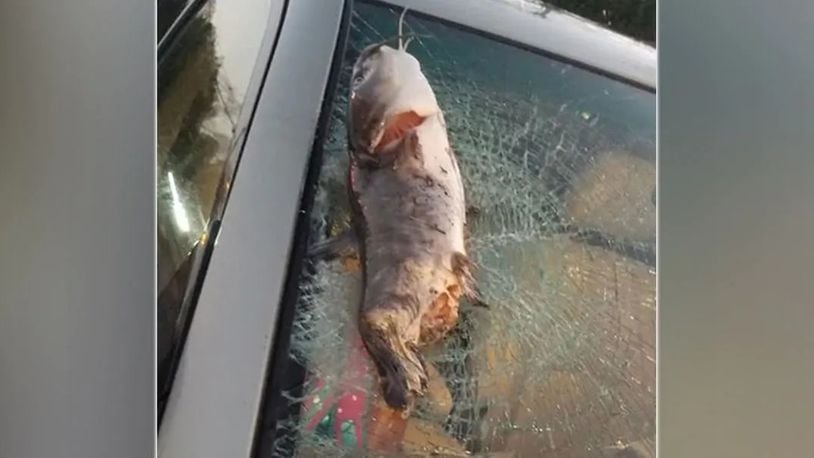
213, 406
554, 31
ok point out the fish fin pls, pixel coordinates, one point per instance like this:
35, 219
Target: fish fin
335, 246
462, 265
463, 268
402, 371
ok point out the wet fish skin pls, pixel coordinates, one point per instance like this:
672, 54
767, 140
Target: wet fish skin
409, 213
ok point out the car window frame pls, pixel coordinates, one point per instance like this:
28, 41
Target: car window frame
276, 381
200, 254
185, 430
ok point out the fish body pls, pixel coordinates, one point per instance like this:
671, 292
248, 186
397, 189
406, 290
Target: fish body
409, 214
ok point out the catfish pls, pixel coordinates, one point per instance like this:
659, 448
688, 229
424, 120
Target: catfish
408, 214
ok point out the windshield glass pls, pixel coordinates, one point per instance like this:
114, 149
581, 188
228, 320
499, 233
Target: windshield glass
559, 168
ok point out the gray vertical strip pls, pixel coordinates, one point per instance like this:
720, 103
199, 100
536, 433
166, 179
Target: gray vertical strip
737, 213
77, 294
214, 404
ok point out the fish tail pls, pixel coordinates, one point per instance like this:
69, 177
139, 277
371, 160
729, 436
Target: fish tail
401, 369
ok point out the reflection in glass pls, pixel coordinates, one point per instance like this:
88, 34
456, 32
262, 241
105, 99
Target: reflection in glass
202, 85
181, 220
559, 167
167, 12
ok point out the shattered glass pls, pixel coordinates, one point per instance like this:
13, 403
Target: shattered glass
560, 174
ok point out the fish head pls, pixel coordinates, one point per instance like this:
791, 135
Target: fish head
390, 96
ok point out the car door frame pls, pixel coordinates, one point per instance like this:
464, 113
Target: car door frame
212, 407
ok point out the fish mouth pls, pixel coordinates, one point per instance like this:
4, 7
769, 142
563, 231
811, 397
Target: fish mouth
396, 128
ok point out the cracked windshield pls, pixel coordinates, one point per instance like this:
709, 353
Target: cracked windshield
557, 356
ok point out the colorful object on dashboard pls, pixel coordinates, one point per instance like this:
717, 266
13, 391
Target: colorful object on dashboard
342, 416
